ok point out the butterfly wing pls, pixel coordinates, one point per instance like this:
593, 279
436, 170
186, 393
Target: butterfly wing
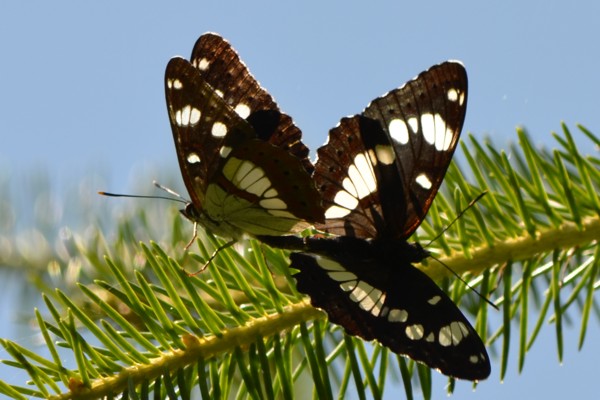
378, 174
351, 179
262, 190
380, 170
221, 67
219, 131
199, 120
397, 305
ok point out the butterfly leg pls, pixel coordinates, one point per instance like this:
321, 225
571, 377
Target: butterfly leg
213, 255
194, 236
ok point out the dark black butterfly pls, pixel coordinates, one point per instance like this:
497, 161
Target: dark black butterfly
378, 174
242, 160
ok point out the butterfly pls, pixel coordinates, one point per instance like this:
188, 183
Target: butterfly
242, 159
378, 175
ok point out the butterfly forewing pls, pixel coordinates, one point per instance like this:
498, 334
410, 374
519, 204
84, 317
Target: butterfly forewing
407, 137
221, 67
423, 120
200, 120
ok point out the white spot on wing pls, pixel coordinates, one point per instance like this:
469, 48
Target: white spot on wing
385, 154
359, 183
218, 130
361, 291
399, 131
193, 158
363, 176
474, 359
445, 336
376, 311
348, 286
368, 298
452, 94
350, 188
372, 156
174, 84
453, 334
224, 151
434, 300
447, 139
194, 116
242, 110
428, 127
414, 124
261, 186
345, 200
443, 135
436, 132
369, 302
242, 169
430, 338
423, 181
330, 265
273, 204
414, 332
203, 64
336, 212
250, 177
187, 116
271, 193
342, 276
397, 315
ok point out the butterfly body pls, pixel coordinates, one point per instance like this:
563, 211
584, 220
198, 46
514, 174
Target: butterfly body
242, 159
378, 174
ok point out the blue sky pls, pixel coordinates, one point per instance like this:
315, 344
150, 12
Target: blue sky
81, 90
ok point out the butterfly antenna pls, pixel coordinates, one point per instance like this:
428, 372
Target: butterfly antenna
179, 198
170, 191
465, 282
471, 204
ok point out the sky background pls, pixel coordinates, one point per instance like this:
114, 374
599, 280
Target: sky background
81, 92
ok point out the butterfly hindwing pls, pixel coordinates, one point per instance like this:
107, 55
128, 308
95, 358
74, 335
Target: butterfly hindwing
395, 304
234, 145
257, 189
372, 290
